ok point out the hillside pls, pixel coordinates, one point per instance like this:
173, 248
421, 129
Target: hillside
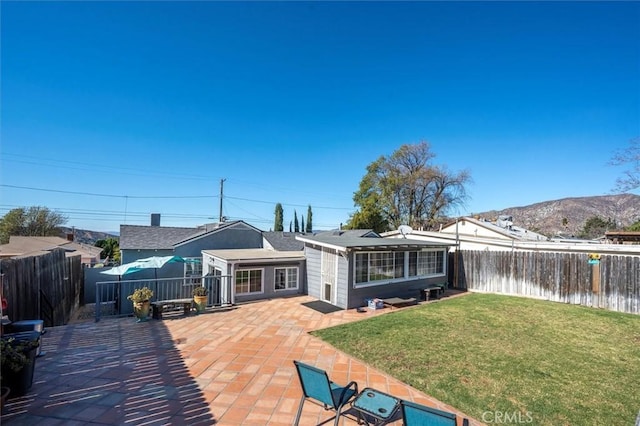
85, 236
547, 217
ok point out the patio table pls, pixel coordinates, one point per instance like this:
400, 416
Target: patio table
377, 404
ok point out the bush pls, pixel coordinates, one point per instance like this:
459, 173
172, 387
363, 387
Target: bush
200, 291
141, 295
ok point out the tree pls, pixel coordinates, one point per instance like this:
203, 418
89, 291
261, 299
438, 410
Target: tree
296, 224
370, 216
596, 227
279, 218
406, 189
110, 248
628, 156
30, 222
634, 227
302, 223
309, 228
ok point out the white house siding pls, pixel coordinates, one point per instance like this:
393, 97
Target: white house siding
314, 276
466, 227
342, 283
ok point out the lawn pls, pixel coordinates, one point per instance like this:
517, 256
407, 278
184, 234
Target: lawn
550, 363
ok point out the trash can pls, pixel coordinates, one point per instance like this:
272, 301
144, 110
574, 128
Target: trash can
29, 325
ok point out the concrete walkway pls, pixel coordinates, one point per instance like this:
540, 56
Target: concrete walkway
232, 367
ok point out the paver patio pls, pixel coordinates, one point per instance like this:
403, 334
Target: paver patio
232, 367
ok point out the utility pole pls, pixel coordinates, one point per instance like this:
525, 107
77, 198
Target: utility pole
221, 192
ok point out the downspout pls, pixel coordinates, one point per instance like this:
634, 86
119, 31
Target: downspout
456, 260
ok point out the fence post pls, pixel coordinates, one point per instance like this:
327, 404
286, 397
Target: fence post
98, 305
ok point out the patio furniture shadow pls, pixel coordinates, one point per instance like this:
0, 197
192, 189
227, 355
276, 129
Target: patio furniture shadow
111, 372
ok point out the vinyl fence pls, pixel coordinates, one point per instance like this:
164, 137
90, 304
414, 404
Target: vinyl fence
613, 283
47, 287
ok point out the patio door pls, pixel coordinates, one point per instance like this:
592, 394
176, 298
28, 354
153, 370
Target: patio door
328, 288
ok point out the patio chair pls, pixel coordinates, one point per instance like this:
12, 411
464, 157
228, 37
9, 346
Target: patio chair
317, 387
420, 415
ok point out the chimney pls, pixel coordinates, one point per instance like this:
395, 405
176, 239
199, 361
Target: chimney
155, 219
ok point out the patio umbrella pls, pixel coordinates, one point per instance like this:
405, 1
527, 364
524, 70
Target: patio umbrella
124, 269
159, 261
156, 262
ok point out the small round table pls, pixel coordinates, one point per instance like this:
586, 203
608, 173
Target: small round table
377, 404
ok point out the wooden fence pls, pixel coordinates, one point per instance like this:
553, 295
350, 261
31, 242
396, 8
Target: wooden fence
49, 287
613, 284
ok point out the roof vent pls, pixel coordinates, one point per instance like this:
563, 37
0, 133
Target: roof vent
155, 219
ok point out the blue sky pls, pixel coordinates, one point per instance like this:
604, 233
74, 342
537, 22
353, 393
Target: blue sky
112, 111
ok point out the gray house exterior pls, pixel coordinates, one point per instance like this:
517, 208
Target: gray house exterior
258, 273
137, 242
347, 268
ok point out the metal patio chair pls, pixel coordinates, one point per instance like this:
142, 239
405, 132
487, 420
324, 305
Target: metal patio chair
317, 387
420, 415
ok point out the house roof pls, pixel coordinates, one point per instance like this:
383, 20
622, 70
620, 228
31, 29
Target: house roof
346, 242
138, 237
513, 232
212, 228
236, 255
19, 246
284, 241
351, 233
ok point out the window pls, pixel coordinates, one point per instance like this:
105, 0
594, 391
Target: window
373, 267
248, 281
379, 266
193, 269
422, 263
286, 278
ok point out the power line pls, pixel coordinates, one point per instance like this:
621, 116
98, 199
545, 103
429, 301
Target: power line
168, 197
109, 195
93, 167
118, 170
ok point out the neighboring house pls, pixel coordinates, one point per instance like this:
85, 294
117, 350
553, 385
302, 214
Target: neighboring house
345, 268
20, 246
623, 237
502, 229
474, 234
257, 273
137, 242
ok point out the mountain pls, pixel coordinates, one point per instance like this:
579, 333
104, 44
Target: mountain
547, 217
85, 236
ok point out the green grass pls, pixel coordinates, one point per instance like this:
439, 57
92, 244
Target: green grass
561, 364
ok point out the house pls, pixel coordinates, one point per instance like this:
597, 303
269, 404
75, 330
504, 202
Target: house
137, 242
623, 237
345, 268
141, 241
20, 246
502, 229
257, 273
475, 234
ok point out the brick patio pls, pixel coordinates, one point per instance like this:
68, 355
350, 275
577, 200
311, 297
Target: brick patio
232, 367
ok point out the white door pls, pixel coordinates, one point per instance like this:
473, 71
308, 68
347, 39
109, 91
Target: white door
328, 286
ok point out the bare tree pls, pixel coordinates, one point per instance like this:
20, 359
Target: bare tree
628, 156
